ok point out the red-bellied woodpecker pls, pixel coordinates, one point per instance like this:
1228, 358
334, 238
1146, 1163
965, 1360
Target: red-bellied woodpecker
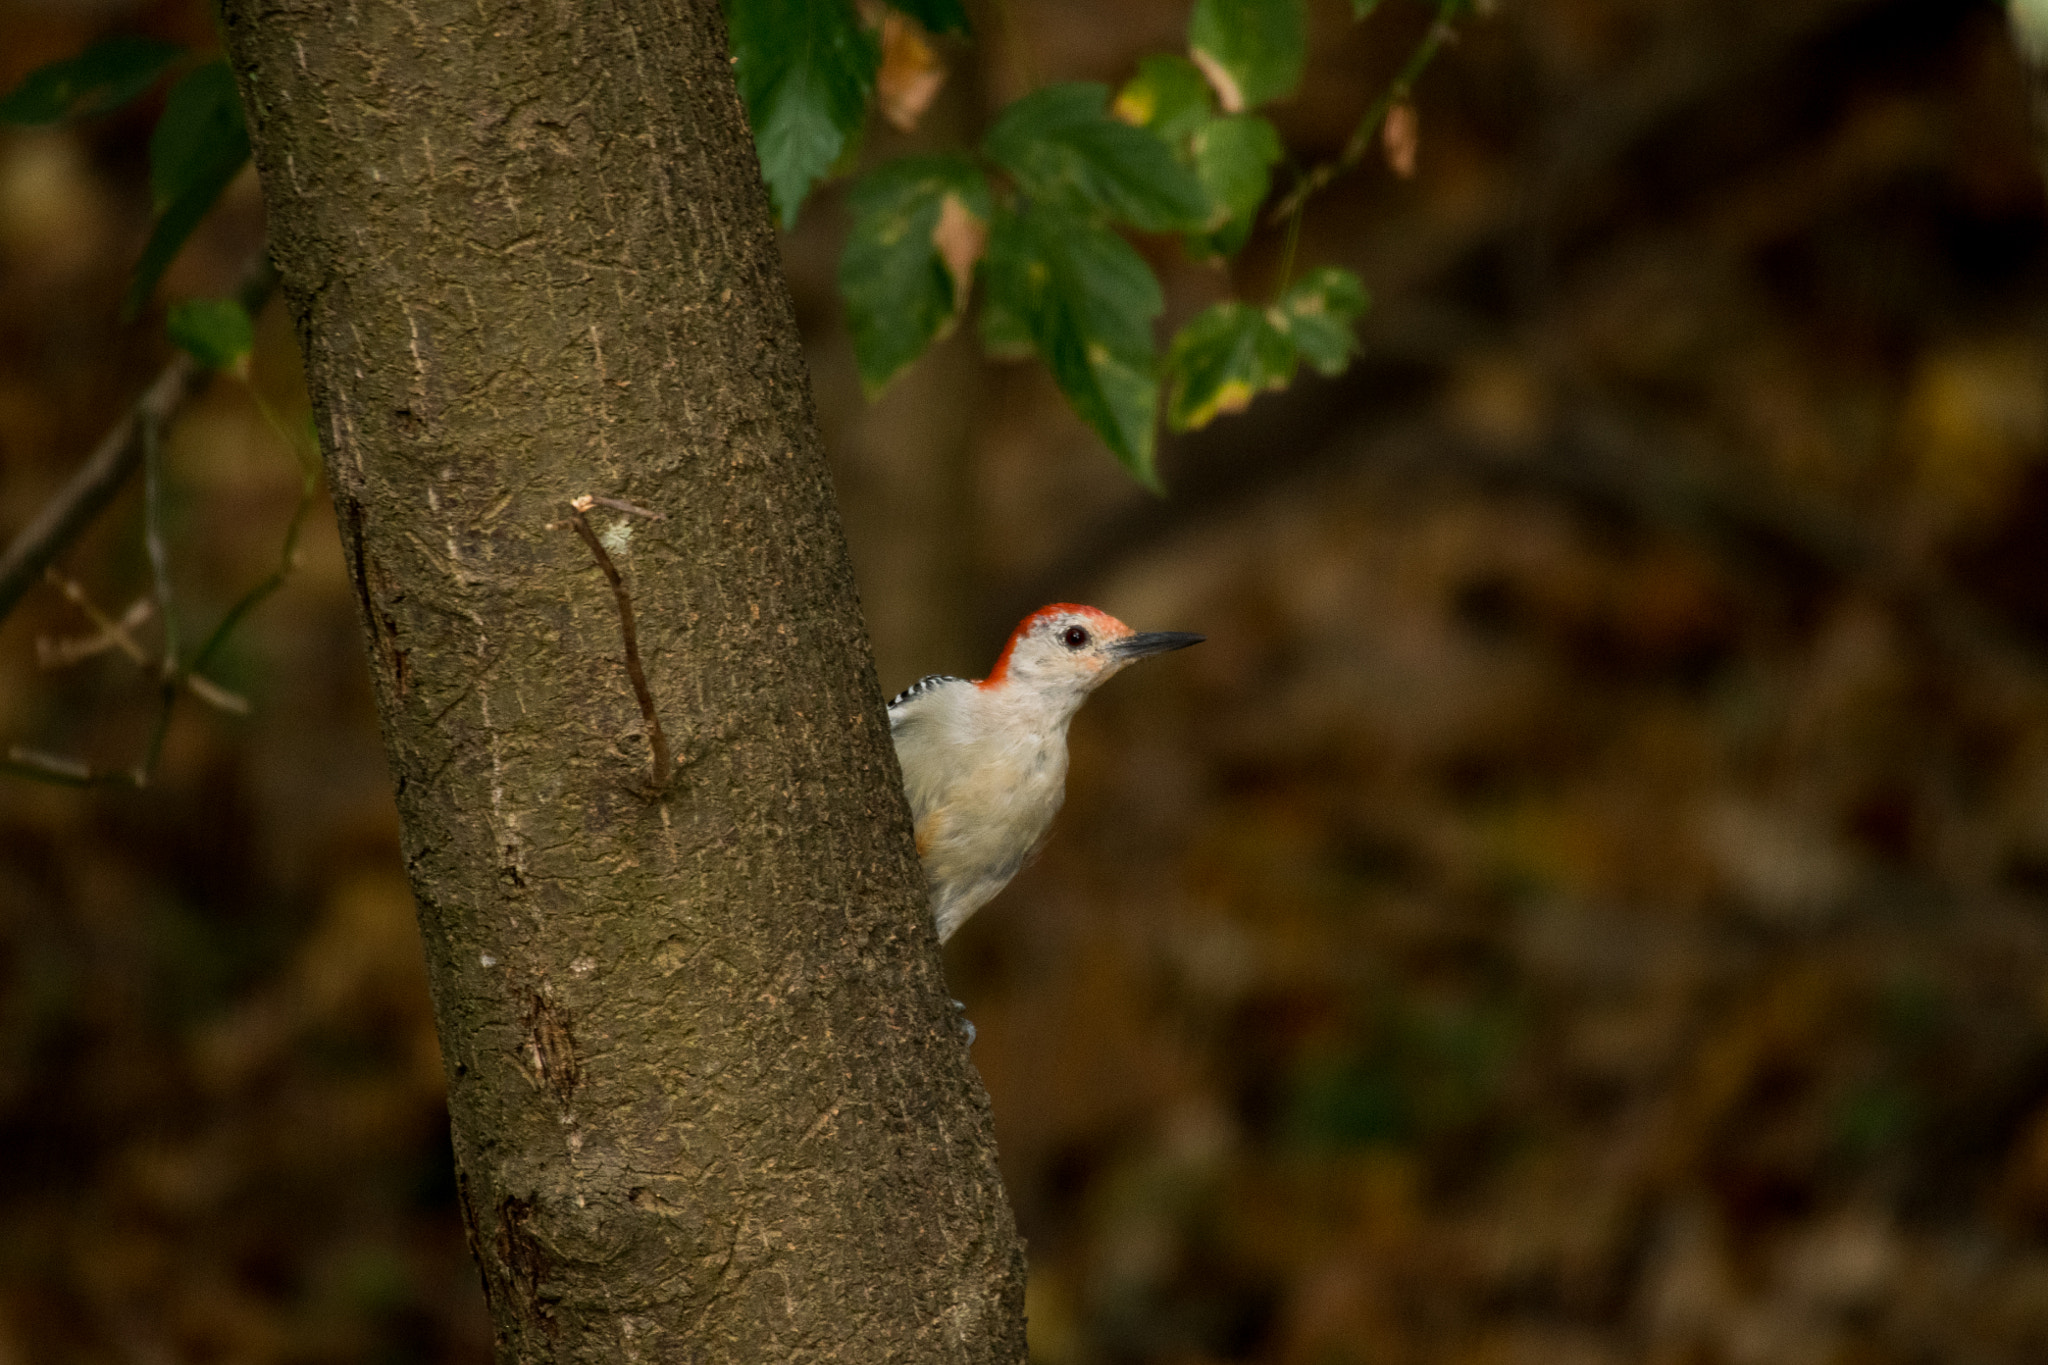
985, 763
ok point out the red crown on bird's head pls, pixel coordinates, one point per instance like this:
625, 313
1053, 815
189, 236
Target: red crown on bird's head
1105, 625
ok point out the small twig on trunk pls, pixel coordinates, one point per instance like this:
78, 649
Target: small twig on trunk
97, 481
621, 505
662, 763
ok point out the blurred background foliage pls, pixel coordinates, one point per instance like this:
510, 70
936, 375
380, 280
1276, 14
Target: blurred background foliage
1584, 904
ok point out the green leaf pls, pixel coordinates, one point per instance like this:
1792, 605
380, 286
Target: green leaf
201, 127
1222, 360
1361, 10
199, 145
805, 70
217, 332
1005, 335
1086, 299
105, 76
1062, 146
1169, 96
1251, 50
1234, 157
1319, 315
910, 258
1232, 352
940, 16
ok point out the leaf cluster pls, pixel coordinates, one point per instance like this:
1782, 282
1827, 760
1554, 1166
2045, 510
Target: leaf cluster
1036, 215
199, 145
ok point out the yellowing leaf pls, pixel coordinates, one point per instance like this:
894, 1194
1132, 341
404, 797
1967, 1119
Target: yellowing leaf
1168, 96
1061, 146
918, 228
911, 73
1084, 300
1252, 51
1221, 360
960, 236
1401, 139
1234, 157
1135, 104
1225, 85
1234, 396
1320, 311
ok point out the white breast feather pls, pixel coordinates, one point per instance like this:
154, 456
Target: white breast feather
984, 782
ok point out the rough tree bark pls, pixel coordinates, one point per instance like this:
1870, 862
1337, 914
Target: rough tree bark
709, 1102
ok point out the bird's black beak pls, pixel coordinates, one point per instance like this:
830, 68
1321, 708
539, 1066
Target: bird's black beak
1154, 642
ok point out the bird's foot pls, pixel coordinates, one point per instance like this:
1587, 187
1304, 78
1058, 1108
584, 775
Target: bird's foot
965, 1022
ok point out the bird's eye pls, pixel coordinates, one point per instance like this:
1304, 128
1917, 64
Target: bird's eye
1076, 637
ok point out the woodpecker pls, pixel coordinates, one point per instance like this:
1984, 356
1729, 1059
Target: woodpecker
985, 762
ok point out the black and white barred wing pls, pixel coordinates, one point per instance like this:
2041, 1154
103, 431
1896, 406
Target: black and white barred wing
904, 703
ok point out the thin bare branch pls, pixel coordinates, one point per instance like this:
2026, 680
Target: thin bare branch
109, 633
153, 540
216, 696
49, 765
1315, 180
65, 516
288, 557
175, 676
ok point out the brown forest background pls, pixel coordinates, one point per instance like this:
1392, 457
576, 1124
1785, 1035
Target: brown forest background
1587, 902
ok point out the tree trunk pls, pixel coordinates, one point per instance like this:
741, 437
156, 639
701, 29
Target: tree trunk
709, 1102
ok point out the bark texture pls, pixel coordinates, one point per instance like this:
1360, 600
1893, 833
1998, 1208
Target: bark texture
708, 1100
